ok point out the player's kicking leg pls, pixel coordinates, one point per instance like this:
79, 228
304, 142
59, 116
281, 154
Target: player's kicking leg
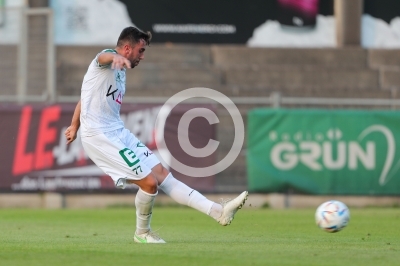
185, 195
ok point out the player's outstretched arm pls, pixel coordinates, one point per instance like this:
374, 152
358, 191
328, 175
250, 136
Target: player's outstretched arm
117, 61
71, 132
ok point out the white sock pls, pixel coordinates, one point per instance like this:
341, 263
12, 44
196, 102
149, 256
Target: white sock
216, 211
185, 195
144, 207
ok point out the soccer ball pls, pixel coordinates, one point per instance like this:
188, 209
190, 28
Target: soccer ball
332, 216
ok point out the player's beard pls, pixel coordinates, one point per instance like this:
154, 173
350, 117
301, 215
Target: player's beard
134, 63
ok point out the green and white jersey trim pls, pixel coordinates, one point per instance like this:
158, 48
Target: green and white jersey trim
104, 51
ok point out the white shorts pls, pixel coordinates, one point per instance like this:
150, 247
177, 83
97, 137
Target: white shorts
120, 155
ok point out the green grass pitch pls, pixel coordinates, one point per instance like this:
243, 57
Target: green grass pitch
256, 237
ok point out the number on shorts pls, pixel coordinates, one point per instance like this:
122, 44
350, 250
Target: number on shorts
137, 169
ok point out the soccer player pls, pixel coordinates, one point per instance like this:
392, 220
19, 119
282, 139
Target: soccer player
118, 152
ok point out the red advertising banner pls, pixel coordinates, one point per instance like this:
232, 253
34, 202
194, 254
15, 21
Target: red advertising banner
34, 155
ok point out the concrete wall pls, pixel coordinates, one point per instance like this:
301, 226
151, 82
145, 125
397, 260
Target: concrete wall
233, 70
242, 71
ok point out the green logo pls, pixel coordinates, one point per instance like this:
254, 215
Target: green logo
325, 151
129, 157
120, 77
140, 145
131, 160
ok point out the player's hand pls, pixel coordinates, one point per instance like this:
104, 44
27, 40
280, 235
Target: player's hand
119, 62
70, 134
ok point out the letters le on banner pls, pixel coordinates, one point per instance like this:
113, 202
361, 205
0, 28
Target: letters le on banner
34, 155
324, 151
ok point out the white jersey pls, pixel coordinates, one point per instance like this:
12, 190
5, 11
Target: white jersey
101, 97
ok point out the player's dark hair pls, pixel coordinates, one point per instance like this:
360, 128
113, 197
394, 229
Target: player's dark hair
133, 35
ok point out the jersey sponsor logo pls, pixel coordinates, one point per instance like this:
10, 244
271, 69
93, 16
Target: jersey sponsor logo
119, 98
147, 153
109, 92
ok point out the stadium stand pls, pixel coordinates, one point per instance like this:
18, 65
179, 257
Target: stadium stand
234, 71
